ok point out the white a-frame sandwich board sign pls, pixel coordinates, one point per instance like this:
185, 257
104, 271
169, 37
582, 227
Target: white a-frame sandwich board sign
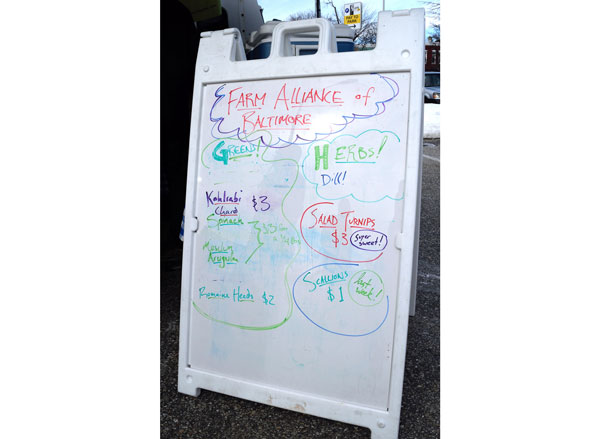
301, 227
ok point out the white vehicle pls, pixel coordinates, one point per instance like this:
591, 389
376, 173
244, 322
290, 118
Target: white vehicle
431, 87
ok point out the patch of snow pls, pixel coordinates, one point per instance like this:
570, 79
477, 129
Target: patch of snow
431, 126
431, 158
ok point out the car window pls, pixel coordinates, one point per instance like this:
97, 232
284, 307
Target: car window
432, 80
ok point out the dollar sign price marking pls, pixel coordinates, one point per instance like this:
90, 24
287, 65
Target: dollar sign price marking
254, 205
268, 301
335, 238
330, 296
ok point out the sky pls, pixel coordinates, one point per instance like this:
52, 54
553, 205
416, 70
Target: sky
281, 9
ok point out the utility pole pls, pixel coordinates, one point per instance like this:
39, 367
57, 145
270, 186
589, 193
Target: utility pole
318, 7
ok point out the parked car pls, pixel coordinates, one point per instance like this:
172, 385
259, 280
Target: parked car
431, 90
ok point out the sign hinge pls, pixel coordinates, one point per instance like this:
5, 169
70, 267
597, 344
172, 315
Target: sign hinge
194, 224
399, 241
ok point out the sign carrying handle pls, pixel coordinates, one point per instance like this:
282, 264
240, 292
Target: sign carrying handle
282, 33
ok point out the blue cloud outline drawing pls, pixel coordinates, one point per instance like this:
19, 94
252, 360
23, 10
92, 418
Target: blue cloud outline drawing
216, 131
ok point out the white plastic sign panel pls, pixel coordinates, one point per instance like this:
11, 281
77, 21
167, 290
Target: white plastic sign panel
299, 248
353, 14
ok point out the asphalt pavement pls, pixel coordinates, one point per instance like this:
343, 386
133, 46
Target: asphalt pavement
215, 416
